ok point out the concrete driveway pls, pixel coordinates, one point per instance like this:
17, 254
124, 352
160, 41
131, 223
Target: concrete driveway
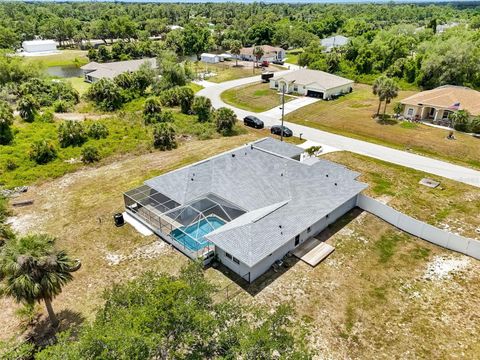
404, 158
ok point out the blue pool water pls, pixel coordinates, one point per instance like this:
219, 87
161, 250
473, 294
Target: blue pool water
196, 231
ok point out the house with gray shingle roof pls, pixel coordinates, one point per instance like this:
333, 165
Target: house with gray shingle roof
94, 71
248, 207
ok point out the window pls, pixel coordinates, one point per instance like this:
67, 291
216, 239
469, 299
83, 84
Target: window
235, 260
295, 88
410, 112
297, 240
309, 229
228, 255
276, 84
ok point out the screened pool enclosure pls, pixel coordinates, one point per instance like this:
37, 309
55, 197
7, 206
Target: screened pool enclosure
184, 226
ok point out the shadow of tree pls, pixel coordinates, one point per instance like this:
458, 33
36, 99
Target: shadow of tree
42, 333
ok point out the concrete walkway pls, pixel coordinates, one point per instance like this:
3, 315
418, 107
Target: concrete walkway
404, 158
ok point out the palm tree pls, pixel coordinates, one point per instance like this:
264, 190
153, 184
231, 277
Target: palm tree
31, 270
258, 53
377, 90
235, 48
390, 91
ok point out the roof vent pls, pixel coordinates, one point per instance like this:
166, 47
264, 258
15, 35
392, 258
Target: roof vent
281, 174
233, 155
335, 184
280, 226
191, 179
326, 175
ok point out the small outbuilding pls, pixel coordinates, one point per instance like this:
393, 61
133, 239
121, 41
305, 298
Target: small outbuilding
210, 58
312, 83
39, 46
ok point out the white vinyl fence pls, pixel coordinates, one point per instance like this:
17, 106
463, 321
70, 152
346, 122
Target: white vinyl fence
420, 229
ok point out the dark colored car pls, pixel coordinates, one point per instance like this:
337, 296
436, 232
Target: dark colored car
253, 121
278, 62
277, 130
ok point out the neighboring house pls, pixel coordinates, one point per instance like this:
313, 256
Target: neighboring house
444, 27
225, 56
333, 42
39, 46
312, 83
210, 58
249, 206
270, 53
94, 71
437, 104
175, 27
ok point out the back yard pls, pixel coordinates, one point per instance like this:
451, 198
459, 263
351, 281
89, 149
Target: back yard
381, 294
351, 115
256, 98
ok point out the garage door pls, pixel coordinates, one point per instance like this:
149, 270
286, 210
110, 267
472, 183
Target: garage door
315, 94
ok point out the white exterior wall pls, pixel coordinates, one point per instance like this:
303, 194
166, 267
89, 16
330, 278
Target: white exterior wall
41, 47
344, 89
303, 89
211, 60
265, 264
411, 111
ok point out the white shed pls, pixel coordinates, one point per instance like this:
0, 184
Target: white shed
39, 46
210, 58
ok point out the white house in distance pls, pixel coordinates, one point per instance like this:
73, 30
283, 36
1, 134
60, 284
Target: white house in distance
39, 47
333, 42
249, 206
94, 71
312, 83
437, 104
210, 58
270, 53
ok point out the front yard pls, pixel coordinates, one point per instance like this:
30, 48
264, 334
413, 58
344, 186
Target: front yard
351, 115
256, 98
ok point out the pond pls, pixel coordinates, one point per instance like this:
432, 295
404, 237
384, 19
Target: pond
66, 71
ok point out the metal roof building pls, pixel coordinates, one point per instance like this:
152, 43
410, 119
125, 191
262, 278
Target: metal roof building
249, 206
94, 71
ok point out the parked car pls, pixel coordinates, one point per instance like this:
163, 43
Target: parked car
277, 130
278, 62
253, 121
265, 63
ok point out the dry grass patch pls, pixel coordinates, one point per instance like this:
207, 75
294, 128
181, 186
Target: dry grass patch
351, 115
256, 98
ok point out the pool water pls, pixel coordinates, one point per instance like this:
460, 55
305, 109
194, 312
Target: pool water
186, 235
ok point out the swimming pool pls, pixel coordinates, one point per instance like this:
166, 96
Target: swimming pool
193, 236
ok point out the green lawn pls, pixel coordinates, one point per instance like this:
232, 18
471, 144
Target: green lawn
79, 84
256, 98
227, 72
351, 115
292, 56
65, 57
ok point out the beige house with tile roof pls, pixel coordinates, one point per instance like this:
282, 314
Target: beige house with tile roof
439, 103
270, 53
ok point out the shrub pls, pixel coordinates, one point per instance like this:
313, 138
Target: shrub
475, 125
185, 99
6, 120
169, 97
27, 108
11, 165
225, 120
164, 136
43, 151
107, 94
90, 154
61, 106
152, 110
461, 120
202, 107
46, 92
165, 116
47, 116
98, 131
71, 133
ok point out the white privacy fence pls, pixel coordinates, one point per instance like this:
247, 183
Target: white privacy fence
420, 229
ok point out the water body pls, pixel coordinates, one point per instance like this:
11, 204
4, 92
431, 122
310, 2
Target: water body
66, 71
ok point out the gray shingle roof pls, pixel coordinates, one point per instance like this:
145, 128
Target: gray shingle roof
278, 147
307, 77
112, 69
274, 190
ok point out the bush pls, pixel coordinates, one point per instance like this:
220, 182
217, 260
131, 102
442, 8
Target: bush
46, 92
166, 116
169, 97
6, 120
225, 120
202, 107
71, 133
61, 106
185, 99
106, 94
90, 154
43, 151
152, 110
11, 165
47, 116
97, 131
27, 108
475, 125
164, 136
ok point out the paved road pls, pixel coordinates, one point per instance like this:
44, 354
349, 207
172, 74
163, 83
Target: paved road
404, 158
